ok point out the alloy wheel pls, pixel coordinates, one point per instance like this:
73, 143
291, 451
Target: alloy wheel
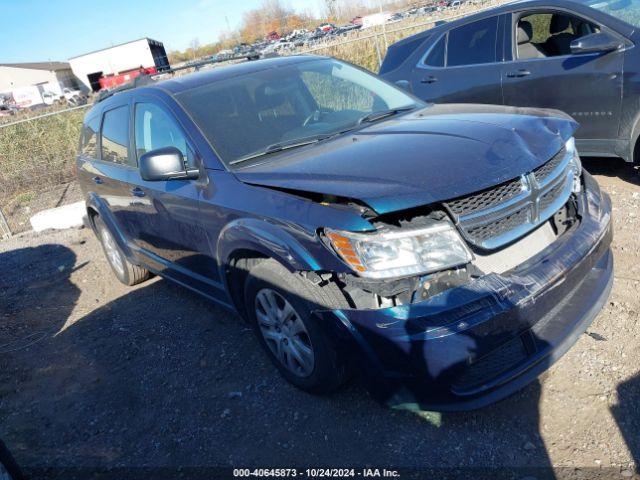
284, 332
111, 249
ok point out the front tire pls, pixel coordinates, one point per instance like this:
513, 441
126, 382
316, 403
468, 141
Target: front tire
124, 270
279, 306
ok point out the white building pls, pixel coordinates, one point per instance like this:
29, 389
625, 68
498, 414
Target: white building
146, 53
47, 76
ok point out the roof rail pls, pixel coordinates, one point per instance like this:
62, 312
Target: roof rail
139, 81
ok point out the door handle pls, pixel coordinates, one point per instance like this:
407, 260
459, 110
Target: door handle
519, 73
429, 79
137, 192
98, 180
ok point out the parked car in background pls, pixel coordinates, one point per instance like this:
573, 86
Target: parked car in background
344, 29
453, 252
49, 98
71, 97
74, 97
297, 34
27, 97
326, 27
225, 54
7, 110
272, 36
570, 56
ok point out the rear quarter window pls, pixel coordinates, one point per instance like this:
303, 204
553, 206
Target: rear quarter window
89, 138
436, 55
398, 53
115, 135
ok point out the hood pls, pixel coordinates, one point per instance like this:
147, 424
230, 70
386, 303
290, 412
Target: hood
434, 154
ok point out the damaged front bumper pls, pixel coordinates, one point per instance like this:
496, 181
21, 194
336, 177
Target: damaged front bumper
477, 343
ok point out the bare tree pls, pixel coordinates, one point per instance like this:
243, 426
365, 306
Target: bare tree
272, 15
331, 9
194, 46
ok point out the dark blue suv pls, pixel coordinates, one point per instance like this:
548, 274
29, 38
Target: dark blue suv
450, 252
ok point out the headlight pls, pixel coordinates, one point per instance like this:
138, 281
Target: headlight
401, 252
575, 163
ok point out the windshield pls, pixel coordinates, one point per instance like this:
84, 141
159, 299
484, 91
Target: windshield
625, 10
285, 107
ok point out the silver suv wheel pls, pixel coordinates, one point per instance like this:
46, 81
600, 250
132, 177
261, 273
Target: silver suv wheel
111, 249
284, 332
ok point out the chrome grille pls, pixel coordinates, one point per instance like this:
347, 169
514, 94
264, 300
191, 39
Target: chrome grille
487, 198
487, 231
497, 216
549, 197
546, 169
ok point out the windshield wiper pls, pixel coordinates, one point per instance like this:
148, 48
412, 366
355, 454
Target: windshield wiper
300, 142
373, 116
278, 147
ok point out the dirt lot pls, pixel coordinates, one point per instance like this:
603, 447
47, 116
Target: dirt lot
95, 374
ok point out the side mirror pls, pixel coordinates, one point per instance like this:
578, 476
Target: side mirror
165, 163
596, 42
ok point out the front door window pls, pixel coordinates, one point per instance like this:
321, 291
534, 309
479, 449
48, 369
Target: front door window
549, 34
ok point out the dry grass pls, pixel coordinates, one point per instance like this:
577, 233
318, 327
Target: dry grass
36, 157
36, 151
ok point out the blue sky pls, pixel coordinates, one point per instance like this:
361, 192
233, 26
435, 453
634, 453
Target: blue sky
41, 30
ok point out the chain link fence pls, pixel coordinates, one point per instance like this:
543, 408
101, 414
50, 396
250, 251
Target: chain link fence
37, 152
36, 166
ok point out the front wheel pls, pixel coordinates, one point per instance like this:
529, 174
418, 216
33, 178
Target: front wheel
279, 305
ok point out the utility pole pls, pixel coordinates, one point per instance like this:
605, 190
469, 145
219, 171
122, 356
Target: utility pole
226, 19
384, 27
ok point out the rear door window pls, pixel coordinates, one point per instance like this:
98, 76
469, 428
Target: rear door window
115, 135
473, 44
397, 54
89, 138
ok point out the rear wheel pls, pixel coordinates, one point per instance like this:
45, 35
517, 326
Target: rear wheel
279, 305
125, 271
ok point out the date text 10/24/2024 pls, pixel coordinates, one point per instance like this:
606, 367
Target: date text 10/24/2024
315, 473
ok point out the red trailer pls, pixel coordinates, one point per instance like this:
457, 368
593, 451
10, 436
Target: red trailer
112, 81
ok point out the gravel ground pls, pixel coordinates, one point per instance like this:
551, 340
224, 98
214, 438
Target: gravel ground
96, 374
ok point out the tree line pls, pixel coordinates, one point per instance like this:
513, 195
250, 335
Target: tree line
278, 16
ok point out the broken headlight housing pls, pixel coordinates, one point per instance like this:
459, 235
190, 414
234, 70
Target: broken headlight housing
397, 253
575, 164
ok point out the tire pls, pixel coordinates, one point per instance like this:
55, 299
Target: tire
327, 369
124, 270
